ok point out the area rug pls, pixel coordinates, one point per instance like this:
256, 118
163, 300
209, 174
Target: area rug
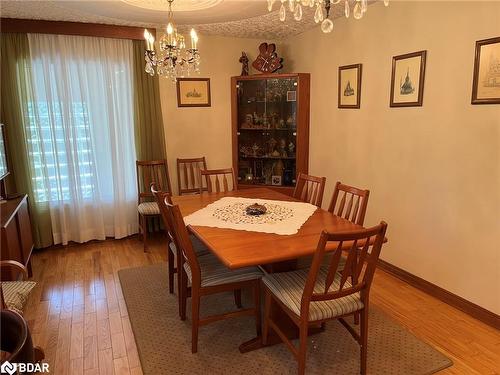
164, 341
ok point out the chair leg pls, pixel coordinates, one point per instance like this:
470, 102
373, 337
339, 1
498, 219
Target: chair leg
183, 295
171, 269
356, 318
237, 298
363, 340
145, 232
301, 357
256, 299
267, 313
195, 313
180, 271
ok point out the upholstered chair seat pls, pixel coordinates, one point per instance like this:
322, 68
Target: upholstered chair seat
198, 246
16, 293
148, 208
213, 272
288, 287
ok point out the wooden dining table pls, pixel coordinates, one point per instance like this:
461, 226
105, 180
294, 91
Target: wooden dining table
276, 253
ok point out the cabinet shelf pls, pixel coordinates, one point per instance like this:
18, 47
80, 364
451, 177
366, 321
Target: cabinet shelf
269, 129
269, 157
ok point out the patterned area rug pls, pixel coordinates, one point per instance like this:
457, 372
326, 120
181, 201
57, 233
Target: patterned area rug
164, 341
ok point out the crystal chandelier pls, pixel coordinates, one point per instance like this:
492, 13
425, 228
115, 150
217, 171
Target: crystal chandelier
322, 12
174, 59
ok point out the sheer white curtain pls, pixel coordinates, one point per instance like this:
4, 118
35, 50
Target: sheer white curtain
81, 135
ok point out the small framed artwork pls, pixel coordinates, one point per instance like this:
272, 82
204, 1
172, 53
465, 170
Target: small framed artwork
486, 80
350, 86
407, 79
291, 96
276, 180
193, 92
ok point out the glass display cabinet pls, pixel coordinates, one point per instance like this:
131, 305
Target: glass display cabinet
270, 115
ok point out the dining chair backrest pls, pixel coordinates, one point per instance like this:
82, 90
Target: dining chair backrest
217, 180
363, 252
180, 236
160, 197
151, 171
188, 175
352, 204
310, 189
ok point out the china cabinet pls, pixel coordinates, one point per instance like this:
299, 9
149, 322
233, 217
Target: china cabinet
270, 118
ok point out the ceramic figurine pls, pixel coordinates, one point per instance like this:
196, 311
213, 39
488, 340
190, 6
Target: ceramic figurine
244, 64
255, 148
248, 122
291, 148
271, 146
283, 148
278, 168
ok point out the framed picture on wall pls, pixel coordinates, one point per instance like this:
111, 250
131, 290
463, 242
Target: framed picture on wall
486, 79
193, 92
349, 86
407, 79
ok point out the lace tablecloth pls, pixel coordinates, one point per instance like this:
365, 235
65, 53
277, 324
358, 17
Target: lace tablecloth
281, 217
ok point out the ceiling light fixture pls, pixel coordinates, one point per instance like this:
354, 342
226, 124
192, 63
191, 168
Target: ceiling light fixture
322, 12
174, 60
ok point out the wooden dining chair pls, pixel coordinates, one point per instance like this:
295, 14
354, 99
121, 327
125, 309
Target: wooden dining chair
310, 189
173, 258
188, 175
356, 199
354, 211
209, 276
314, 296
217, 180
148, 172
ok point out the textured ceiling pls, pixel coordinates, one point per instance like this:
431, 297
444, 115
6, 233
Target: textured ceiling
236, 18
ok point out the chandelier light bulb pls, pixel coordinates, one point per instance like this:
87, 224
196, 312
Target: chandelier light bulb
194, 39
386, 3
270, 4
170, 29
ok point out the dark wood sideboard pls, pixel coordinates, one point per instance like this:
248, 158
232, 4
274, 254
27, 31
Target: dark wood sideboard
17, 238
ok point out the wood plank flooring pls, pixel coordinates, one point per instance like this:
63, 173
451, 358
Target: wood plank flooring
78, 315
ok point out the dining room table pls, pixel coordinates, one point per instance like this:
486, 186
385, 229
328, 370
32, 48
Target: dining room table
273, 252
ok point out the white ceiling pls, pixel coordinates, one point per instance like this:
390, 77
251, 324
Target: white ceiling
237, 18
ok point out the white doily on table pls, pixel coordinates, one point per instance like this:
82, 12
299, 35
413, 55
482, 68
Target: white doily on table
281, 217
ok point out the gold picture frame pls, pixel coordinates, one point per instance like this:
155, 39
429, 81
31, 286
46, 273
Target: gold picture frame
193, 92
407, 79
486, 79
349, 86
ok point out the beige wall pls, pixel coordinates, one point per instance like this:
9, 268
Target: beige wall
205, 131
434, 171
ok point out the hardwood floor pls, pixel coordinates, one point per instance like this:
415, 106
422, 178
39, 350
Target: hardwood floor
78, 315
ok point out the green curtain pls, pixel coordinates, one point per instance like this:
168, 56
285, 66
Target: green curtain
15, 61
149, 132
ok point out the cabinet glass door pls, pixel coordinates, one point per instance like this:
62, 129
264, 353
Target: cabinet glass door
267, 131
